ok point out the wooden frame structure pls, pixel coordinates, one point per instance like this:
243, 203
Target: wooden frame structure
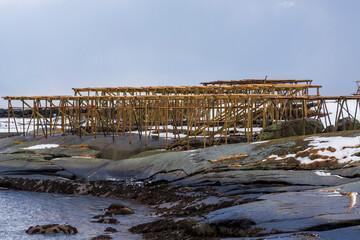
210, 118
211, 114
278, 89
358, 88
257, 81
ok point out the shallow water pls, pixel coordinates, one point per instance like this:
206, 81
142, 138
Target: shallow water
19, 210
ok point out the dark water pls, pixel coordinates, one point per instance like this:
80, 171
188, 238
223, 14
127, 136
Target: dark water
19, 210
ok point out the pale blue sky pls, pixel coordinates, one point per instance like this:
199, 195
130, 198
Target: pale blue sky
49, 46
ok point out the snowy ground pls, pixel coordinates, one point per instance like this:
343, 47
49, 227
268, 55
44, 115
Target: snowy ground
332, 109
162, 133
171, 134
41, 146
19, 122
341, 149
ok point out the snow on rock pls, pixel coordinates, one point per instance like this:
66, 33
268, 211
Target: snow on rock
321, 173
338, 148
326, 174
259, 142
353, 196
41, 146
277, 157
341, 148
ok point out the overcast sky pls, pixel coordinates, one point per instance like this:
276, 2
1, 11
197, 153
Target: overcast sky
49, 46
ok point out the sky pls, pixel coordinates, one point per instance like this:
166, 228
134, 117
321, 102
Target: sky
48, 47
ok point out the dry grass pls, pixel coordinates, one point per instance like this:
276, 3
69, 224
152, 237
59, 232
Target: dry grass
82, 146
357, 146
231, 158
84, 156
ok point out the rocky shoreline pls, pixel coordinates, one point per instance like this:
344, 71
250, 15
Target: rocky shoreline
285, 188
171, 202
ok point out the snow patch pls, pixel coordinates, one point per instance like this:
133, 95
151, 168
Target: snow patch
342, 149
259, 142
41, 146
353, 197
345, 148
321, 173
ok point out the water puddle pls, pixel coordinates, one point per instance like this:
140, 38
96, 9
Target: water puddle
20, 210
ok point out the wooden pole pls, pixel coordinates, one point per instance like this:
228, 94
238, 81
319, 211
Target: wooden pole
46, 116
9, 122
23, 117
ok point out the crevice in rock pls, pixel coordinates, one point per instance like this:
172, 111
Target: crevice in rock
335, 225
272, 183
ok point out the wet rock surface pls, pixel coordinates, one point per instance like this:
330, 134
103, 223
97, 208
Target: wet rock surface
284, 188
110, 229
102, 237
118, 209
107, 221
52, 229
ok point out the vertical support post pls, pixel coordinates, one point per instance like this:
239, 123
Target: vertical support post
226, 118
108, 116
96, 114
9, 123
264, 114
204, 121
92, 121
208, 119
251, 119
166, 120
248, 120
46, 117
124, 116
51, 123
303, 116
79, 115
146, 120
35, 117
113, 119
130, 123
188, 122
23, 117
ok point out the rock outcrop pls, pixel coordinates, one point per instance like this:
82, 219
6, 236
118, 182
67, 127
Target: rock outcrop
274, 188
295, 127
107, 221
118, 209
51, 229
102, 237
110, 229
348, 123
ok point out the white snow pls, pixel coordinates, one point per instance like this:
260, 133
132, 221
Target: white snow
345, 148
332, 106
20, 127
353, 199
343, 154
259, 142
335, 194
322, 173
41, 146
19, 122
171, 135
326, 174
277, 157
